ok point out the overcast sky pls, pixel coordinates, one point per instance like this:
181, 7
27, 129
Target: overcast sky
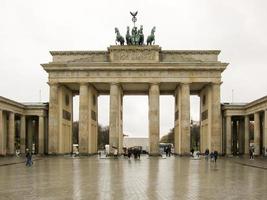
30, 29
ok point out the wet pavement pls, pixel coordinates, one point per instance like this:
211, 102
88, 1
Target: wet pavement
148, 178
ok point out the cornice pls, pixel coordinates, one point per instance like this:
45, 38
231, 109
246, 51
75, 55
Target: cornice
11, 102
111, 66
123, 68
60, 53
215, 52
134, 47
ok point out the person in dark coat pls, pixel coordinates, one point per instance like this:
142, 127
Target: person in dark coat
207, 152
192, 152
215, 155
129, 153
212, 156
169, 151
139, 153
28, 158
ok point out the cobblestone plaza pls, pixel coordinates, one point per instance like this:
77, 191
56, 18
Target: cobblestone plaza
148, 178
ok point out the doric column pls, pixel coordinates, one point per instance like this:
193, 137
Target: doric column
53, 119
83, 119
115, 117
11, 133
2, 135
246, 146
92, 120
265, 133
22, 134
176, 121
228, 135
216, 120
184, 120
241, 136
41, 135
257, 133
234, 137
30, 132
154, 94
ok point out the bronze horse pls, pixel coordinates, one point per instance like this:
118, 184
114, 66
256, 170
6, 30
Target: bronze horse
119, 38
128, 37
151, 38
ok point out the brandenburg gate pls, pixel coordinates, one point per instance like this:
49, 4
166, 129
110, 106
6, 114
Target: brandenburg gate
133, 69
137, 67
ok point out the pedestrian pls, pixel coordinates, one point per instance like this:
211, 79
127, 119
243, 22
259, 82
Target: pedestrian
169, 151
28, 158
212, 156
139, 154
17, 153
166, 150
192, 152
129, 153
215, 155
253, 152
250, 153
207, 152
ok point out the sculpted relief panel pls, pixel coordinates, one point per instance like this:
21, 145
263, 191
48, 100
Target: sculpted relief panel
134, 56
138, 54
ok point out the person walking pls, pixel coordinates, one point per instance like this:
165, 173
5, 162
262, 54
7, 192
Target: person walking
28, 158
192, 152
139, 154
212, 156
250, 153
253, 152
169, 151
215, 156
207, 152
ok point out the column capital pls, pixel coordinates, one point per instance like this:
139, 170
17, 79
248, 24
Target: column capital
185, 83
256, 113
118, 84
114, 83
11, 113
153, 83
84, 83
182, 83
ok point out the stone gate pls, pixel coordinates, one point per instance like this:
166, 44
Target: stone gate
123, 70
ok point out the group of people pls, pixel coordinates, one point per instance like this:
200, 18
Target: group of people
213, 155
136, 152
167, 150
